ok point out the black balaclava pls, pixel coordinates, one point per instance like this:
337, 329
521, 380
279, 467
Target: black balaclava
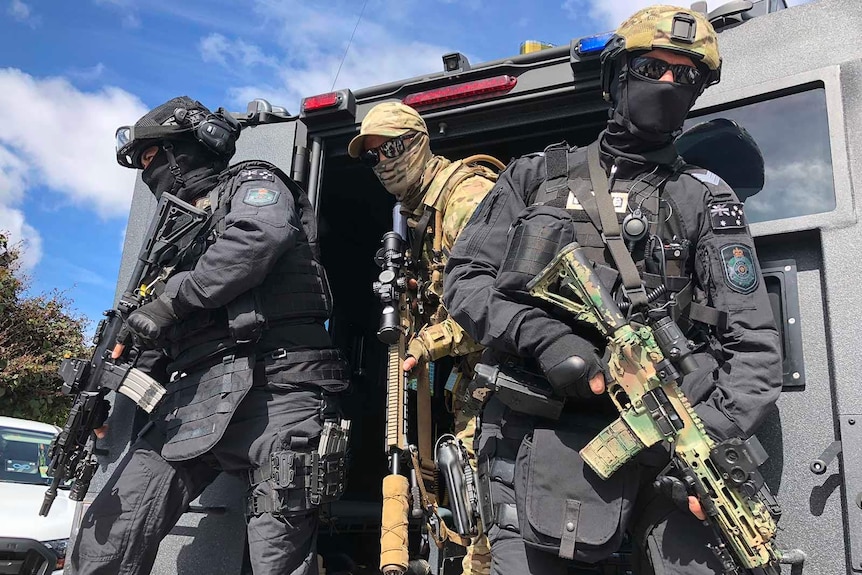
646, 115
196, 173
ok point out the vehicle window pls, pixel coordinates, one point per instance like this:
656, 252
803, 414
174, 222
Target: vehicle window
24, 456
792, 132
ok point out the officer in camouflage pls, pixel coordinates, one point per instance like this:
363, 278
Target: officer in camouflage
438, 196
240, 326
684, 241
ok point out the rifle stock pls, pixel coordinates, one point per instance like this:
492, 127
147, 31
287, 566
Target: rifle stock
643, 386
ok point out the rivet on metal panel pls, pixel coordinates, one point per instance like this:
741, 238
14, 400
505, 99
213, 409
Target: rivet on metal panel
851, 421
787, 268
796, 375
791, 321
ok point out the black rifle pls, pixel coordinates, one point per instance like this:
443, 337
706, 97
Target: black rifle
175, 229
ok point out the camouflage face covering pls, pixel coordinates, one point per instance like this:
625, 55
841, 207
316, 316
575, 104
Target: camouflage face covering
402, 175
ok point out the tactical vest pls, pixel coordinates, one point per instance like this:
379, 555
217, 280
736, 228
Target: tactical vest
296, 289
216, 347
427, 238
663, 257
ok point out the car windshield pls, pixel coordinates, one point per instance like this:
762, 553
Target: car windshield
24, 456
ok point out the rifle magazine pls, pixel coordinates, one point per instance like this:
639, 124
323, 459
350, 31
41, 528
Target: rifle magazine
611, 449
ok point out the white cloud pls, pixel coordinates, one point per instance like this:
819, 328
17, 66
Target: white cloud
59, 137
23, 13
13, 182
66, 137
610, 13
313, 41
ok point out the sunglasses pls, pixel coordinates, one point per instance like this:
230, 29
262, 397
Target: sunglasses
654, 69
391, 148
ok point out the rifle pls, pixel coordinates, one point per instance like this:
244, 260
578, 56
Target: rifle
396, 287
172, 233
644, 355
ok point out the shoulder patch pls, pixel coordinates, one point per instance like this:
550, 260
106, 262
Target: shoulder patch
705, 176
260, 197
740, 274
727, 216
259, 174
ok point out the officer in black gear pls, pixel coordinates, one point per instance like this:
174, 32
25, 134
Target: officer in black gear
238, 328
685, 234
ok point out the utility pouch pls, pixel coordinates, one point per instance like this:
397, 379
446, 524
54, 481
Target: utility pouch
198, 407
244, 319
533, 240
563, 506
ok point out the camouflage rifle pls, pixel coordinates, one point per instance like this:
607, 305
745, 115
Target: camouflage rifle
173, 231
643, 386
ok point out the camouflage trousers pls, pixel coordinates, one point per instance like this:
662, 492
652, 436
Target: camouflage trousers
478, 558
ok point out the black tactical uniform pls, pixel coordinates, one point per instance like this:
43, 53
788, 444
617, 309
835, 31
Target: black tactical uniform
255, 377
546, 507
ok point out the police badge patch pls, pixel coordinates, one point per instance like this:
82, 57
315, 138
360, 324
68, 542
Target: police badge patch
260, 197
739, 271
727, 216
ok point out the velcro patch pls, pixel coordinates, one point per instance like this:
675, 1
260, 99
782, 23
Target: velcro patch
727, 216
260, 197
706, 177
740, 274
256, 174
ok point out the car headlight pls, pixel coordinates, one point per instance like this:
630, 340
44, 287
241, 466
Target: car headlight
58, 546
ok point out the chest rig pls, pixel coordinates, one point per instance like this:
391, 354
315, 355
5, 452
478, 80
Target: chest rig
632, 232
427, 236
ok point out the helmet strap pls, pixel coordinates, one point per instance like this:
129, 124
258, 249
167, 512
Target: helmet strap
179, 181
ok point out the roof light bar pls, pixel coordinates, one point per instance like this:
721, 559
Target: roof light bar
593, 44
466, 92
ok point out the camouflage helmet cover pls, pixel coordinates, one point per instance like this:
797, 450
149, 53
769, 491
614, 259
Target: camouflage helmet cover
653, 27
389, 119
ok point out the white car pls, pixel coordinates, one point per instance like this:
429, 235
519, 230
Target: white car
28, 540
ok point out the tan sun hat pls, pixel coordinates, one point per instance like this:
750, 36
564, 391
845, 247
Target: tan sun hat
389, 119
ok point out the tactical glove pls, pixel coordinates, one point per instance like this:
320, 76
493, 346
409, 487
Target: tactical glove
149, 323
571, 377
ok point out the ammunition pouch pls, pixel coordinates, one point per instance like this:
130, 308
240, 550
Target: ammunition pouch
533, 240
300, 480
563, 506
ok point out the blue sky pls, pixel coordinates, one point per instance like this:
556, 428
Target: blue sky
72, 72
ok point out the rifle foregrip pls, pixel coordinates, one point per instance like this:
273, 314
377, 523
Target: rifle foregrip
393, 530
611, 449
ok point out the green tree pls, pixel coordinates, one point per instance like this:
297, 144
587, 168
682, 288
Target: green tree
36, 333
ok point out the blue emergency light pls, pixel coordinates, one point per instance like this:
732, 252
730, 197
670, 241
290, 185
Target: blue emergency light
593, 44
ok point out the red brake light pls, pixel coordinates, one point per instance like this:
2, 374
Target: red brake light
321, 101
469, 91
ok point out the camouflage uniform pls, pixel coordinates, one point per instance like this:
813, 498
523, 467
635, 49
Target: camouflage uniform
453, 190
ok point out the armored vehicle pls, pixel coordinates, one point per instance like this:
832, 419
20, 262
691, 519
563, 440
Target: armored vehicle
792, 78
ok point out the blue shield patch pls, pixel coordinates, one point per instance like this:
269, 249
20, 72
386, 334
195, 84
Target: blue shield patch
260, 197
740, 274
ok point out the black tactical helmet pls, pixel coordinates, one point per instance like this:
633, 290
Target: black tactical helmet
180, 118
